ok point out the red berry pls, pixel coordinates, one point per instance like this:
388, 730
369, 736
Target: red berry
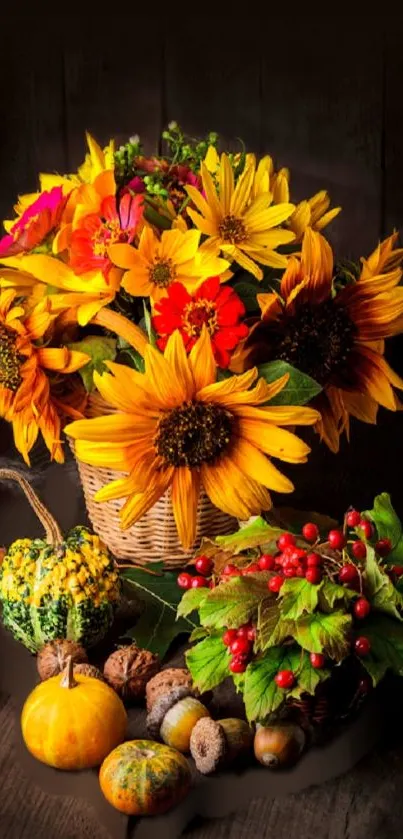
251, 569
241, 646
348, 574
383, 547
336, 539
230, 571
362, 645
199, 582
184, 580
353, 518
317, 660
204, 565
229, 637
297, 555
310, 532
314, 560
275, 583
289, 571
359, 549
300, 572
366, 528
313, 575
266, 562
284, 679
362, 608
242, 632
252, 633
397, 570
238, 665
285, 540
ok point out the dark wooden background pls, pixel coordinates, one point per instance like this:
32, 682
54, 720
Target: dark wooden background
320, 92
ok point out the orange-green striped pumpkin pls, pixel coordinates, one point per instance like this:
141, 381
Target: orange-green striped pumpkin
144, 778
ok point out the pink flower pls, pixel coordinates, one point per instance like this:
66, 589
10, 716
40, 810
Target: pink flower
35, 224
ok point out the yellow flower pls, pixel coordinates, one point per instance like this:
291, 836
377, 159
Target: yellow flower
336, 338
25, 393
242, 227
156, 263
177, 427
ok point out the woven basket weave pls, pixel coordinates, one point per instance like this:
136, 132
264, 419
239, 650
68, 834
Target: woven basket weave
154, 537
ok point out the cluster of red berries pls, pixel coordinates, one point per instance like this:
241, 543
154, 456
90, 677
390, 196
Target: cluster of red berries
240, 646
204, 567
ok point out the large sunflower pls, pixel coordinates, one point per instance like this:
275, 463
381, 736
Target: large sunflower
177, 427
244, 227
336, 336
25, 393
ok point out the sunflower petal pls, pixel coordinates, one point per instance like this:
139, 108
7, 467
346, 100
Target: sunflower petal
202, 363
185, 498
121, 428
274, 441
257, 466
137, 505
177, 358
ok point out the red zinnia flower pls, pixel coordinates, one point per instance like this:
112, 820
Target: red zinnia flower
95, 232
213, 304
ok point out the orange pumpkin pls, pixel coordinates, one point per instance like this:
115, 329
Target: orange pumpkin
144, 778
72, 722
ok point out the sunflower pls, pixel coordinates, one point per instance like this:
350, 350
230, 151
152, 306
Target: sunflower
25, 392
238, 223
177, 427
156, 263
336, 336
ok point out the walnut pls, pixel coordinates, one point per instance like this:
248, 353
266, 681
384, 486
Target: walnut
52, 658
129, 669
164, 681
88, 670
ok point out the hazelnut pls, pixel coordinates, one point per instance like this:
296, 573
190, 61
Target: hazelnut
52, 658
215, 744
129, 669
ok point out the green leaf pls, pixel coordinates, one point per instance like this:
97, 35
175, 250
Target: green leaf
298, 596
386, 637
330, 593
160, 595
261, 694
198, 633
293, 520
299, 389
375, 669
324, 633
235, 602
268, 618
257, 534
388, 526
208, 663
132, 358
247, 291
191, 601
152, 337
100, 349
379, 588
310, 677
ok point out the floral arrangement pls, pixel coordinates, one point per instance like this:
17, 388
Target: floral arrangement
208, 312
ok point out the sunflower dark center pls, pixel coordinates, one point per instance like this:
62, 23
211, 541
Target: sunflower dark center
9, 359
162, 273
194, 433
232, 229
317, 340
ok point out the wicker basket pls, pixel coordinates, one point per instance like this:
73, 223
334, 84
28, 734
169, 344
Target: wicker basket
154, 537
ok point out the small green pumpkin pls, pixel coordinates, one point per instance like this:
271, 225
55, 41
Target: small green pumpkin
57, 588
143, 778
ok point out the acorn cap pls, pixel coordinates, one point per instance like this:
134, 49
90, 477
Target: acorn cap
162, 706
208, 745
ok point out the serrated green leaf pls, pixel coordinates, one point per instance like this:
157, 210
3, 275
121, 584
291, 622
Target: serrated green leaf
191, 601
267, 620
386, 638
308, 677
258, 534
234, 602
388, 526
330, 593
160, 595
283, 629
379, 588
208, 663
248, 291
319, 633
198, 633
132, 358
261, 694
296, 597
99, 349
299, 389
375, 669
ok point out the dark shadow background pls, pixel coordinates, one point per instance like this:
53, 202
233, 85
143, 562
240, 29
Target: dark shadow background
319, 91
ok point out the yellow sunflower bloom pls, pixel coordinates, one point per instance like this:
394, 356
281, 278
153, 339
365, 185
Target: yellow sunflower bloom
25, 393
178, 428
244, 228
339, 338
156, 263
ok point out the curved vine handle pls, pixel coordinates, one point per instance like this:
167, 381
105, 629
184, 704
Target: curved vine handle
51, 528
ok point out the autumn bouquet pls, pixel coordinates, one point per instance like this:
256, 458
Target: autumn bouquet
185, 314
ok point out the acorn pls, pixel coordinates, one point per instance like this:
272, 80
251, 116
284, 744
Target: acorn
128, 670
88, 670
52, 658
278, 745
174, 716
215, 744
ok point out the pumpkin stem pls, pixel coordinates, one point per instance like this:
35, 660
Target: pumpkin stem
51, 528
68, 680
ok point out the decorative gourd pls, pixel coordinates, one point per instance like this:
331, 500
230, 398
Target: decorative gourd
57, 588
72, 721
143, 778
174, 716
